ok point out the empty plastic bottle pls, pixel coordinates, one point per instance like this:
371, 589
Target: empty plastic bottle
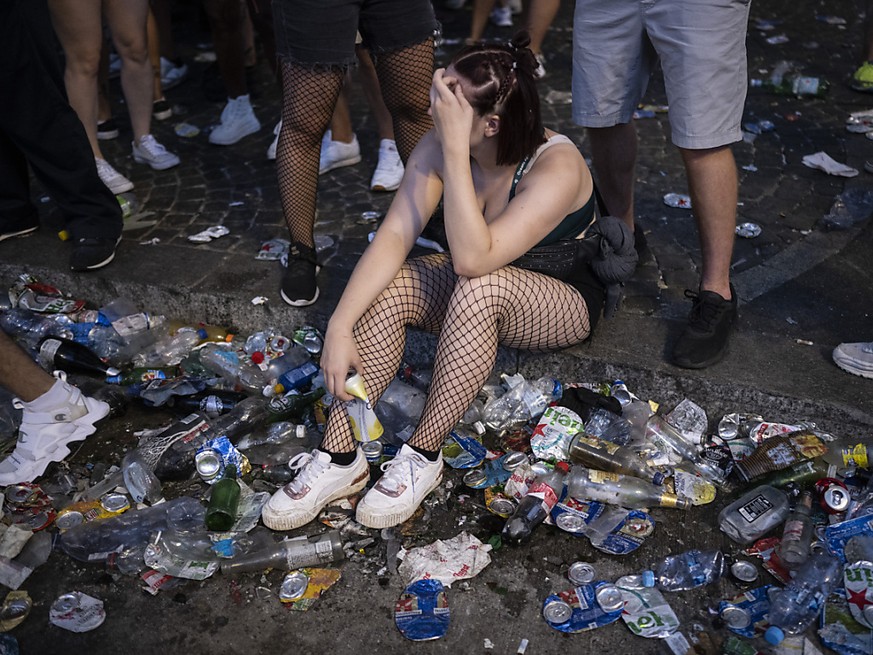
290, 554
94, 541
637, 413
617, 489
607, 426
797, 533
227, 363
797, 605
170, 350
140, 479
521, 402
693, 568
28, 326
532, 510
754, 514
293, 369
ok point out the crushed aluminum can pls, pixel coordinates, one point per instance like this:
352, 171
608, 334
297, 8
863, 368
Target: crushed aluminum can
273, 249
744, 571
69, 520
115, 502
369, 217
209, 234
513, 460
580, 573
208, 464
735, 617
422, 611
557, 611
679, 200
16, 606
579, 609
748, 230
293, 586
216, 455
834, 495
498, 503
475, 478
77, 612
609, 598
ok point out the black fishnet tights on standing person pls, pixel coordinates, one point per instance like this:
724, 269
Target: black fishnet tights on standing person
405, 77
308, 99
511, 306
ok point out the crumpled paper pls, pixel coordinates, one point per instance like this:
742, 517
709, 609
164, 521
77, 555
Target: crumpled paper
458, 558
824, 162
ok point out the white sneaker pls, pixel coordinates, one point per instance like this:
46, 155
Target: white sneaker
408, 479
238, 120
43, 435
149, 151
336, 154
172, 75
501, 16
540, 70
389, 170
515, 6
855, 358
318, 482
271, 151
116, 182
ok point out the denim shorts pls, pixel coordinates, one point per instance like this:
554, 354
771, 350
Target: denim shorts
322, 32
701, 45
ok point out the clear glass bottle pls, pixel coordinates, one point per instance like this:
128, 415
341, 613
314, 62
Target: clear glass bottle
617, 489
797, 533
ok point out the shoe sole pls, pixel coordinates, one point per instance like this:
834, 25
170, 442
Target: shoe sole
299, 303
105, 262
19, 233
379, 187
107, 136
236, 140
275, 521
162, 115
850, 368
351, 161
155, 167
379, 521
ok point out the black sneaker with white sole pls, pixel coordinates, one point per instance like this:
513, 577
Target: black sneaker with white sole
89, 254
704, 341
18, 227
299, 286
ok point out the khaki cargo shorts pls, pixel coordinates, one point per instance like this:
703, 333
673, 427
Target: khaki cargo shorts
701, 45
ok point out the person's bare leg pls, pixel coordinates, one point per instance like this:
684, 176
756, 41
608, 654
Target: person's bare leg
341, 121
614, 153
712, 185
224, 20
104, 109
154, 46
373, 94
540, 15
481, 12
79, 29
19, 373
127, 23
163, 11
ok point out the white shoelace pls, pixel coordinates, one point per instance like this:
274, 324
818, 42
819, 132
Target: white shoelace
400, 469
151, 146
308, 469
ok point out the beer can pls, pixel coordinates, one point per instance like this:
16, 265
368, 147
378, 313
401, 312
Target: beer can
115, 502
372, 451
513, 460
744, 571
580, 573
475, 478
570, 522
736, 617
77, 612
208, 463
834, 495
557, 611
498, 503
609, 598
293, 586
69, 520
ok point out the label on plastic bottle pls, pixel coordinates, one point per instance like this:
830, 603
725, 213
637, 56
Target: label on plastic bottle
694, 489
755, 508
554, 431
646, 613
545, 493
599, 477
625, 532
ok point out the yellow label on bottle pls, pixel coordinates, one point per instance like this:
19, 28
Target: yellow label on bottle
599, 444
856, 455
602, 476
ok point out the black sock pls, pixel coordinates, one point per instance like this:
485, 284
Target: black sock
431, 455
341, 459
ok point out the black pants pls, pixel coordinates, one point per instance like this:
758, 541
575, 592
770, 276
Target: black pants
38, 126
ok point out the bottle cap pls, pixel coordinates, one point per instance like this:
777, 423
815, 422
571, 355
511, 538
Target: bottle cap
774, 635
257, 357
648, 577
658, 478
563, 467
202, 333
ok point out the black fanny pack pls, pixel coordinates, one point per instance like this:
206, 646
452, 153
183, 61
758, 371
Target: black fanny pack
561, 258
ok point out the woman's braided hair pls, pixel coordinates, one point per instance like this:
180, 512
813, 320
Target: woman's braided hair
502, 80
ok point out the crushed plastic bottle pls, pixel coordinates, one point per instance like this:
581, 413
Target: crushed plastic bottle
693, 568
522, 401
536, 505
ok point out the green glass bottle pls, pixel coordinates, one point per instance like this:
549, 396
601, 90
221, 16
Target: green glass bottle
223, 504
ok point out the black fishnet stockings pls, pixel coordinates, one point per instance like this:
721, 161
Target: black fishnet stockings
405, 77
308, 99
511, 306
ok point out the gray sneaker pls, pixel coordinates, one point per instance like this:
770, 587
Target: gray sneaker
149, 151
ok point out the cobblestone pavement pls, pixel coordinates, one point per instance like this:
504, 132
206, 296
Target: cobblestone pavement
803, 290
